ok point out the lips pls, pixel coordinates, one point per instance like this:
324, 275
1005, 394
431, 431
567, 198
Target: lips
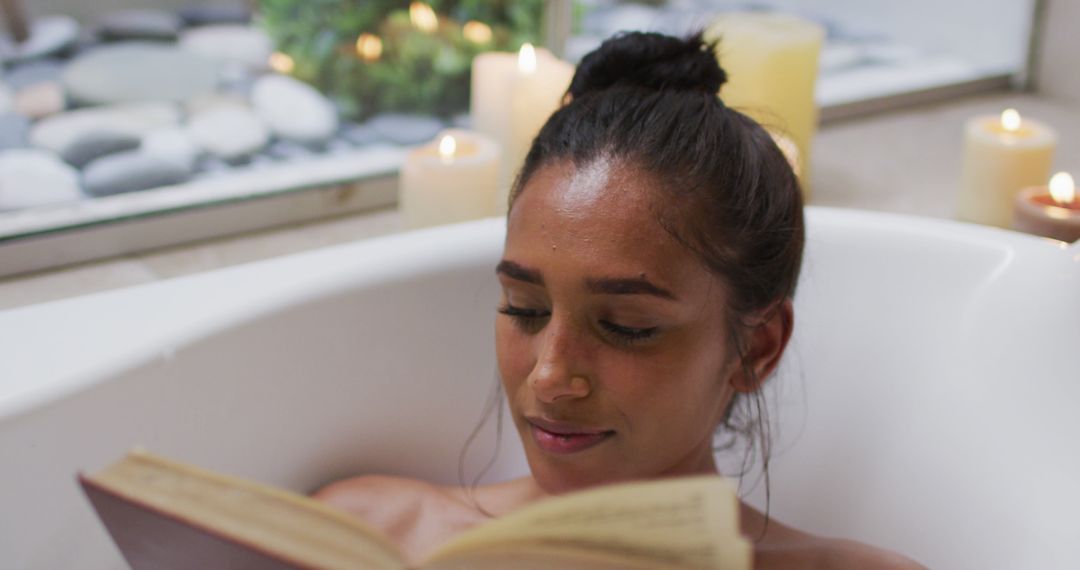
563, 437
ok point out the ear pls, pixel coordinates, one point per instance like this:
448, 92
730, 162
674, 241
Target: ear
767, 336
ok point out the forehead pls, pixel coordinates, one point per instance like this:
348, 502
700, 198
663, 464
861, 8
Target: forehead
601, 217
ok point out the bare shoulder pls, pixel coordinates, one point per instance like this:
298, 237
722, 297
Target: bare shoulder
781, 546
360, 493
851, 554
829, 554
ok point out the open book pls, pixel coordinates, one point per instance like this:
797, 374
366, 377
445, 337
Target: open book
166, 515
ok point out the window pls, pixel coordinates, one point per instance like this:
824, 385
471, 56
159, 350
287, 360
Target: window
128, 129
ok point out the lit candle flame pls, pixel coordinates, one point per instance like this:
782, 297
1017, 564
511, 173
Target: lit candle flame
1010, 120
477, 32
369, 47
281, 62
447, 147
1062, 188
527, 59
423, 17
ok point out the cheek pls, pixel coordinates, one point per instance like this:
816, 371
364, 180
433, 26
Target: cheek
512, 352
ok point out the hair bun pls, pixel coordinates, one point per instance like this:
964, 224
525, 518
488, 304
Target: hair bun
652, 61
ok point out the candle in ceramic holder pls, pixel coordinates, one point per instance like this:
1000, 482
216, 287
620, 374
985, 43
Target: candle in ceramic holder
1050, 211
451, 179
771, 60
1002, 155
512, 97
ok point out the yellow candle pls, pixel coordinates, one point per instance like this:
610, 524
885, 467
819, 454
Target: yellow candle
771, 60
787, 146
451, 179
1002, 155
512, 97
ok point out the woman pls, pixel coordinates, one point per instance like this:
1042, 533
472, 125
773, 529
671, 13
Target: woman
653, 246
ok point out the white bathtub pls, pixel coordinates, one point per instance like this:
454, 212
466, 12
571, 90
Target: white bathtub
929, 403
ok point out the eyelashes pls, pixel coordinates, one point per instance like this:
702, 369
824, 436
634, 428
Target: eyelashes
532, 320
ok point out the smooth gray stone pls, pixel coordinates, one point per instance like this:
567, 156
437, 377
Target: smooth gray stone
287, 150
131, 171
338, 146
173, 144
14, 129
406, 129
360, 135
34, 72
40, 100
138, 71
245, 46
153, 25
230, 133
294, 110
56, 132
212, 165
96, 144
217, 13
33, 177
49, 36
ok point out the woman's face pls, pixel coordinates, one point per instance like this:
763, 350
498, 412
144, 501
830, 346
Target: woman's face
611, 341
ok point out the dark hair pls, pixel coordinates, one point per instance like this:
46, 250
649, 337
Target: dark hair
730, 195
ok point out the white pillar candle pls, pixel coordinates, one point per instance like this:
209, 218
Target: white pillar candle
453, 178
771, 60
1002, 155
512, 97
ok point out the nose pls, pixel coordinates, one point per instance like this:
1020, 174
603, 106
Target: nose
557, 374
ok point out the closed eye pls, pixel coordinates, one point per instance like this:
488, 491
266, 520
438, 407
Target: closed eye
529, 320
628, 335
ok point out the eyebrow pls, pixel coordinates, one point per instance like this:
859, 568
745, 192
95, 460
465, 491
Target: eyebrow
519, 272
606, 286
627, 286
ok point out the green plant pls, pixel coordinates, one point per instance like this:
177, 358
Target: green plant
416, 71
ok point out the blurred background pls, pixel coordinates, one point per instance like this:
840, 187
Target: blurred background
144, 139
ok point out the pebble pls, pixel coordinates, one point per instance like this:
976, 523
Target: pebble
31, 177
56, 132
208, 101
92, 145
13, 130
216, 13
51, 35
7, 99
153, 25
138, 71
405, 129
360, 135
34, 72
230, 133
247, 46
212, 166
174, 145
294, 110
131, 171
285, 150
40, 100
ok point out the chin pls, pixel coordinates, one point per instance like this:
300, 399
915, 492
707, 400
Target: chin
560, 476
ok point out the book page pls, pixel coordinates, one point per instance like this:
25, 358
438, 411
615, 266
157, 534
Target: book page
674, 523
276, 521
